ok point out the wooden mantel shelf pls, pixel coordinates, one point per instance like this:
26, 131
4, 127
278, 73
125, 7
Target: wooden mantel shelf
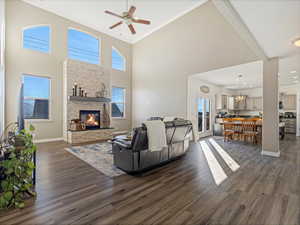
88, 99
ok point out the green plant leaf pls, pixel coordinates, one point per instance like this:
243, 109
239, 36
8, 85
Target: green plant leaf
30, 165
3, 202
8, 195
31, 128
4, 185
9, 171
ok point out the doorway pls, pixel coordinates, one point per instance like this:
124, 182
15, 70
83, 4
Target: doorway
204, 116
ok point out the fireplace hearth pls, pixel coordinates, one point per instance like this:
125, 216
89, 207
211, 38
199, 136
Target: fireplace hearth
91, 118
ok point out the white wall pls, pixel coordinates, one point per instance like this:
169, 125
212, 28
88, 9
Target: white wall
194, 93
298, 113
19, 60
2, 68
197, 42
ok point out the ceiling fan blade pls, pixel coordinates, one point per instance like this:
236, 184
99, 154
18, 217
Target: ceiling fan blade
141, 21
131, 28
115, 25
131, 11
113, 14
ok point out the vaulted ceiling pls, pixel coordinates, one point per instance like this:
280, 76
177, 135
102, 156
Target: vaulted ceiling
273, 23
91, 13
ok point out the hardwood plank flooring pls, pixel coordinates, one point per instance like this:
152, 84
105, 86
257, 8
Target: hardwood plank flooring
264, 190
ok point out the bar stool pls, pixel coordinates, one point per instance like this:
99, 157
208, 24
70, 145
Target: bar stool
249, 130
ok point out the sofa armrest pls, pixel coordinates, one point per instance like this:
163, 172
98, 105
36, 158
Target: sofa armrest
122, 143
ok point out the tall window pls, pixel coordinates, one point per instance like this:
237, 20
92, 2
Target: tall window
118, 61
36, 97
83, 47
37, 38
118, 102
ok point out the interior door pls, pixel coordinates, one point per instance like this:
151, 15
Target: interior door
204, 116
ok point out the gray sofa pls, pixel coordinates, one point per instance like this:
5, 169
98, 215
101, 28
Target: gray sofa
134, 156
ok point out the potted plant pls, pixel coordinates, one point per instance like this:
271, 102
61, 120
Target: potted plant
18, 168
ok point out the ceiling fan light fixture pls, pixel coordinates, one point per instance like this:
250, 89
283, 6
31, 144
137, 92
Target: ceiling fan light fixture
128, 18
297, 42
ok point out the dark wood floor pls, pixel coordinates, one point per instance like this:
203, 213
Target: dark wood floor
264, 190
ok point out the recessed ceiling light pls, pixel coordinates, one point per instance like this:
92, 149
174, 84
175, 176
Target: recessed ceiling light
293, 71
297, 42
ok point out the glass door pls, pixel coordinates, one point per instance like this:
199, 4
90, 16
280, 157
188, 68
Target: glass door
204, 115
200, 114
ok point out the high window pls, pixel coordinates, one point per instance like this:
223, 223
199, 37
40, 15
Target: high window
37, 38
36, 97
118, 102
118, 61
83, 47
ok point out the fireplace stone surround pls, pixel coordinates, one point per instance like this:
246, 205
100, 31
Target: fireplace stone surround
90, 77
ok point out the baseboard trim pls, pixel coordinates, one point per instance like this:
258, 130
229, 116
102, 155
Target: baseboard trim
47, 140
268, 153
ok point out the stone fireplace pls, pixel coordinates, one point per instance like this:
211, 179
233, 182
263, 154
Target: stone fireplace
91, 118
88, 109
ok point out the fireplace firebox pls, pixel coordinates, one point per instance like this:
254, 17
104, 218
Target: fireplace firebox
91, 118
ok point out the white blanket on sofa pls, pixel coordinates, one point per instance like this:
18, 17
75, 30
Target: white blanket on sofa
156, 132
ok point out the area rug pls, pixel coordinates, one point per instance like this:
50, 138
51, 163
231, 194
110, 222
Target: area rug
98, 156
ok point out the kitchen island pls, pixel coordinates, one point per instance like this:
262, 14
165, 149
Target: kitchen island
238, 121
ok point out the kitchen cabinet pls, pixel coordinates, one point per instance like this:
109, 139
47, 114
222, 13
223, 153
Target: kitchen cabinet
222, 102
290, 125
257, 103
289, 102
254, 103
230, 103
249, 102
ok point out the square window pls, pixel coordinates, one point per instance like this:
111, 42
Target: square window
118, 102
36, 92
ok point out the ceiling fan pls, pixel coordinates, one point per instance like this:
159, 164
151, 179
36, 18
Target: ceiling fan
128, 18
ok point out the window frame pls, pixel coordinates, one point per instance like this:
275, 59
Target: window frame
50, 38
124, 103
49, 99
125, 67
88, 33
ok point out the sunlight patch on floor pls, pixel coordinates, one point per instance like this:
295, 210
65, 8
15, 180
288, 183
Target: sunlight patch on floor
233, 165
214, 166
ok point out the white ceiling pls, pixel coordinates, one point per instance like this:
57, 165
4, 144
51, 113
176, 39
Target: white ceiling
274, 24
289, 74
91, 13
288, 65
228, 77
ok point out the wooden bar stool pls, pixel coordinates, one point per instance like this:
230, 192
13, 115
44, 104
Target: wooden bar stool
249, 131
228, 131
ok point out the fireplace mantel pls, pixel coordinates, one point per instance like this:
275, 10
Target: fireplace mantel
88, 99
